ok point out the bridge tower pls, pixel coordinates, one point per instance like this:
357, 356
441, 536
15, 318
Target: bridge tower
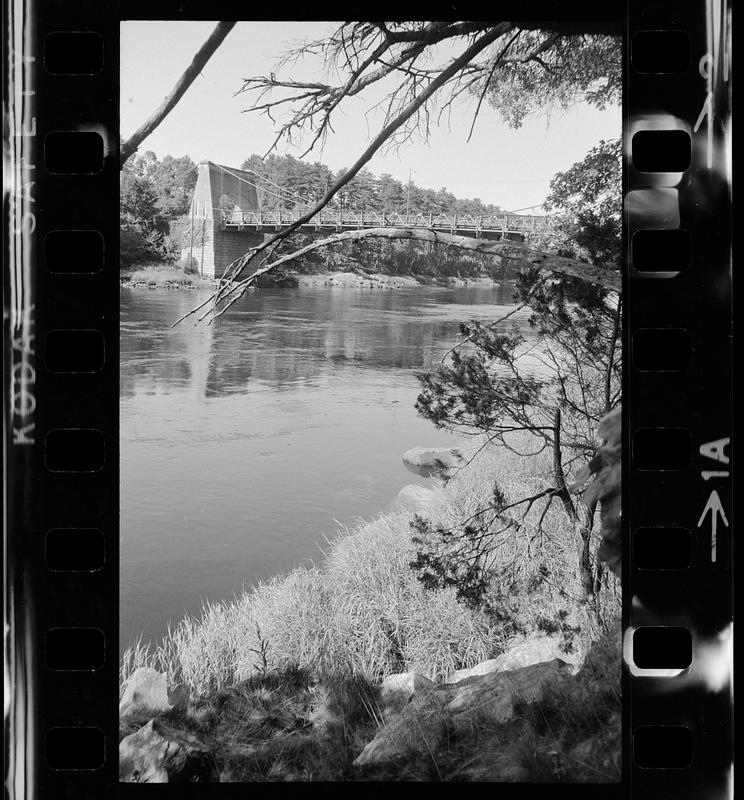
214, 247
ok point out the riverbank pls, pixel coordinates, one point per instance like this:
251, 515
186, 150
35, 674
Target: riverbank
363, 280
287, 681
164, 278
161, 277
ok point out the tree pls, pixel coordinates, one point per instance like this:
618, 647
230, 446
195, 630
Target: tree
141, 239
153, 196
174, 179
485, 386
285, 182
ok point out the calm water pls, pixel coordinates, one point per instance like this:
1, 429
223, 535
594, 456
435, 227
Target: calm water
243, 443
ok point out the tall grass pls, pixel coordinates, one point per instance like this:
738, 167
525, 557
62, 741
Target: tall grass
363, 611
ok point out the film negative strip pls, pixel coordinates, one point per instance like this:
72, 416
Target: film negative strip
61, 372
677, 487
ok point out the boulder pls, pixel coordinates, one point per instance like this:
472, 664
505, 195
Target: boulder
146, 691
419, 727
422, 724
494, 695
432, 461
399, 688
416, 497
522, 653
533, 650
492, 665
155, 755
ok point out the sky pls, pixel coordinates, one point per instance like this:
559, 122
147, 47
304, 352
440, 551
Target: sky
510, 168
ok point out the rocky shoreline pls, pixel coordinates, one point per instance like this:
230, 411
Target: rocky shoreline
355, 280
171, 736
336, 280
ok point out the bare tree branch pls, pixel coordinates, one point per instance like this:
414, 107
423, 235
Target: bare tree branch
203, 55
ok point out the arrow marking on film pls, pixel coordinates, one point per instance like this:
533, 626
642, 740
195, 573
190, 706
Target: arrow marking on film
715, 507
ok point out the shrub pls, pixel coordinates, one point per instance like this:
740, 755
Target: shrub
190, 266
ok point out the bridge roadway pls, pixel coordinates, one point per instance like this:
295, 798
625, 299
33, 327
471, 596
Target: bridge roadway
492, 226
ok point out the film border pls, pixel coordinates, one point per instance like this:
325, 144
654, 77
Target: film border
41, 500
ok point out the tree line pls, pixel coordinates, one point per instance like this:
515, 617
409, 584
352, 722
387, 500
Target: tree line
283, 181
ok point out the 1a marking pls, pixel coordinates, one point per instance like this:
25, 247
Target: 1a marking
716, 451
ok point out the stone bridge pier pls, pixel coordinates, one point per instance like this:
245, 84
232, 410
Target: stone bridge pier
211, 246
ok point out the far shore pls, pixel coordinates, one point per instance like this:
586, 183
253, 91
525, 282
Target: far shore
164, 278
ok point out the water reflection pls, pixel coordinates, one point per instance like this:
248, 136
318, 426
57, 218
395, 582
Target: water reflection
281, 337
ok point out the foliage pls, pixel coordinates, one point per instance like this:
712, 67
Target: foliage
548, 72
172, 181
138, 243
586, 201
153, 194
556, 389
286, 182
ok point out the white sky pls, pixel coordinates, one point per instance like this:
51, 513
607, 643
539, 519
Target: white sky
511, 168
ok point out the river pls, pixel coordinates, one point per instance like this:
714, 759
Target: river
244, 443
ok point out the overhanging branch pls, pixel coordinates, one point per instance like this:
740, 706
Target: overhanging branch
203, 55
521, 254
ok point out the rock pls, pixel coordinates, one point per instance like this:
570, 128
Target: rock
146, 691
156, 755
398, 689
418, 728
483, 668
416, 497
533, 650
481, 281
423, 723
432, 461
494, 694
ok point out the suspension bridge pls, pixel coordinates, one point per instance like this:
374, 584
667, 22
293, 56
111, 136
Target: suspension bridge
226, 220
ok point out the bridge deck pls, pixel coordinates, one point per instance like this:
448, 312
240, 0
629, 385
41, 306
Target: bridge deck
341, 220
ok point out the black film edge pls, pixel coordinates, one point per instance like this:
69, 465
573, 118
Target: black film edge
62, 427
677, 444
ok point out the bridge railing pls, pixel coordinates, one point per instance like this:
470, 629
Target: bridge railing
328, 218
